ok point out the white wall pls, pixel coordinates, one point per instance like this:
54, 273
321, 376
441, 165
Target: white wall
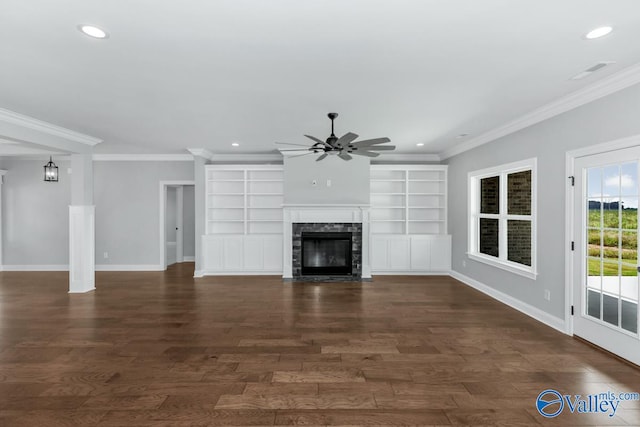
349, 180
35, 214
606, 119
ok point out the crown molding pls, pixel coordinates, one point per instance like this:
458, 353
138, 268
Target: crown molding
246, 158
621, 80
201, 152
399, 157
21, 120
142, 158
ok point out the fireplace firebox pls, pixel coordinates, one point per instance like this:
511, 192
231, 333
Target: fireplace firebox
326, 254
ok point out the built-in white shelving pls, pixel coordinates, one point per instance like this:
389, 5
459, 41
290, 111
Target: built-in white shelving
244, 199
408, 199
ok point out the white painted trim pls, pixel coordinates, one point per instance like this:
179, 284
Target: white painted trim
409, 273
405, 157
201, 152
473, 214
189, 259
621, 80
408, 167
570, 158
34, 267
142, 158
198, 274
13, 118
163, 207
275, 274
531, 311
128, 267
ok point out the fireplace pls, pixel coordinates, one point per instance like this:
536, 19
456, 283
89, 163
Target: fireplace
326, 254
325, 250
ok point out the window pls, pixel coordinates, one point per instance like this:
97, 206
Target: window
502, 217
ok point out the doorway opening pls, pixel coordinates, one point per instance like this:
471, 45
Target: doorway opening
177, 222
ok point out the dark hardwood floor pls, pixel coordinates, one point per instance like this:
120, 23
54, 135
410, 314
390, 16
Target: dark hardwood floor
165, 349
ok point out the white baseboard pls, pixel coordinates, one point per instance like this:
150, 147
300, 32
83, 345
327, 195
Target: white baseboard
188, 259
531, 311
129, 267
237, 273
34, 267
198, 273
410, 273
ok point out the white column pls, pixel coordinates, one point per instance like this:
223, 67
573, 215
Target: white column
2, 172
366, 246
81, 225
199, 194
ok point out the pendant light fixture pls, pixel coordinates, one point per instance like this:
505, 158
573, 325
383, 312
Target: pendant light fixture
50, 171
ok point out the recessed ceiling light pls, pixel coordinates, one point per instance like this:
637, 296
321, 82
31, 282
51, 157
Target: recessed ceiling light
420, 144
235, 144
598, 32
93, 31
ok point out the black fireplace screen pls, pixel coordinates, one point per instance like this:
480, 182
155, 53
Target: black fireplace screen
326, 254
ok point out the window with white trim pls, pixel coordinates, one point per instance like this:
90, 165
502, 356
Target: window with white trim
502, 217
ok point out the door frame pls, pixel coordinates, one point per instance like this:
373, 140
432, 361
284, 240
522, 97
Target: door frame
570, 158
162, 262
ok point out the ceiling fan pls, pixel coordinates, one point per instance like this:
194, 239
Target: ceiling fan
343, 147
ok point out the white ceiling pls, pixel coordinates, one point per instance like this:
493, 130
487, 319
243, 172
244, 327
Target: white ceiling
204, 73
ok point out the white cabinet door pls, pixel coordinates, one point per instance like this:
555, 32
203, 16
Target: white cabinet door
253, 253
441, 253
421, 253
233, 253
212, 253
398, 253
273, 253
379, 251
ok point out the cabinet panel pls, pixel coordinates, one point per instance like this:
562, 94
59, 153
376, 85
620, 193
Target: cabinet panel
233, 253
441, 253
421, 253
273, 253
253, 253
398, 254
379, 251
212, 253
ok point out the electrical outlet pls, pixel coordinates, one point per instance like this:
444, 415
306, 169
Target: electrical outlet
547, 294
106, 255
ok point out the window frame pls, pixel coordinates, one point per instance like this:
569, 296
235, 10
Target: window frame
474, 215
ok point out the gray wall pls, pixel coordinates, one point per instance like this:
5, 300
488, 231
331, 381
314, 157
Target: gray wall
606, 119
170, 218
189, 222
127, 198
349, 180
35, 214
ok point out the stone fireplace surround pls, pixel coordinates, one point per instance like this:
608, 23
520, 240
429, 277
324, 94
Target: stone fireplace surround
327, 227
326, 217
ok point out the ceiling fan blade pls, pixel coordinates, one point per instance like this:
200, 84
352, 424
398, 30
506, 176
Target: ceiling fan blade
380, 147
296, 145
368, 142
345, 156
365, 153
346, 139
319, 141
321, 157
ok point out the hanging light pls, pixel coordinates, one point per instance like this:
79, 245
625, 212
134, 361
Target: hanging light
51, 171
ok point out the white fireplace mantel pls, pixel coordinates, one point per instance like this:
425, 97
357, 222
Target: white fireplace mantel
320, 213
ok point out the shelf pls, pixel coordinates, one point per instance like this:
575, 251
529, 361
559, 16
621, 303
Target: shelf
388, 194
427, 207
265, 220
225, 180
226, 207
265, 180
253, 208
264, 194
225, 194
426, 180
388, 207
225, 220
387, 180
426, 220
388, 220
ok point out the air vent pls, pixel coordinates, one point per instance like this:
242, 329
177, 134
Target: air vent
591, 70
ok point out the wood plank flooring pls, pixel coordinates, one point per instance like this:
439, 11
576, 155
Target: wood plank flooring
164, 349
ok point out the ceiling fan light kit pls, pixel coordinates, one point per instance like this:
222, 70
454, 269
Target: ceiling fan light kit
343, 147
